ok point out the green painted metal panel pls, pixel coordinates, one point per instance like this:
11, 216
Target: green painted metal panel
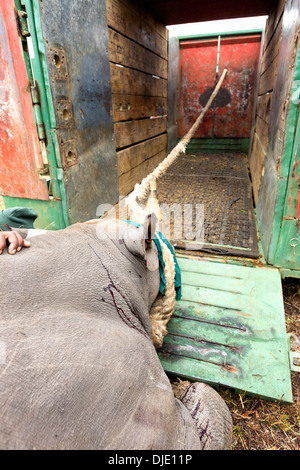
281, 253
282, 123
222, 33
288, 248
229, 329
218, 145
50, 214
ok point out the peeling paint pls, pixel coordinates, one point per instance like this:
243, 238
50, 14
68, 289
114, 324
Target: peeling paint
20, 154
230, 115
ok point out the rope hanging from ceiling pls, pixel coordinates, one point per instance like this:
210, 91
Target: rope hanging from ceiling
139, 195
162, 309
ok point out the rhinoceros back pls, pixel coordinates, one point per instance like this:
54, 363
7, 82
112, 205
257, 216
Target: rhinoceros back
79, 370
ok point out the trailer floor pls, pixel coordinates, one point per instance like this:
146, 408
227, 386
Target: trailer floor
211, 196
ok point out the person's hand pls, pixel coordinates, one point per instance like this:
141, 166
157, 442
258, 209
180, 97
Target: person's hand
14, 241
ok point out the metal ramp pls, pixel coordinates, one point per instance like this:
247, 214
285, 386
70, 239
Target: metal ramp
229, 329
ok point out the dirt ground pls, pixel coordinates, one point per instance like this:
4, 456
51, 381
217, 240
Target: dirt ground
259, 424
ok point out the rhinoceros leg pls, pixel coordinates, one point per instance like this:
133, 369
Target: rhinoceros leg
211, 415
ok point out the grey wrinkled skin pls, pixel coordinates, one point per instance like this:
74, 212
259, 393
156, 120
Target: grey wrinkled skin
211, 415
79, 369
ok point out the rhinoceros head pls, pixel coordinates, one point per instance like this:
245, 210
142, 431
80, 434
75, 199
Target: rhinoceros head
138, 240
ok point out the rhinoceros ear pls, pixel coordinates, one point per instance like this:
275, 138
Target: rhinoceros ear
138, 240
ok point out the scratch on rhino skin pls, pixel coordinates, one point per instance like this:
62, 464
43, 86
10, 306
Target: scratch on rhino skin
111, 288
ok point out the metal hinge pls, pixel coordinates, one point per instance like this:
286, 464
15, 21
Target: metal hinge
23, 25
35, 97
44, 172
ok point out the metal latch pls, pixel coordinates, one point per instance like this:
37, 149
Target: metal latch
295, 361
23, 25
294, 343
295, 240
44, 172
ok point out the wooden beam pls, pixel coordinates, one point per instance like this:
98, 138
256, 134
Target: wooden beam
131, 82
128, 180
134, 22
133, 156
131, 132
127, 107
126, 52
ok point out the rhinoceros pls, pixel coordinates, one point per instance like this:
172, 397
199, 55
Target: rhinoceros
78, 369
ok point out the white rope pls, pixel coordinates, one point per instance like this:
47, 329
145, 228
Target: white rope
163, 306
139, 195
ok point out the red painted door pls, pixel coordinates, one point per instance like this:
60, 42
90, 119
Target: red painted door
20, 154
230, 114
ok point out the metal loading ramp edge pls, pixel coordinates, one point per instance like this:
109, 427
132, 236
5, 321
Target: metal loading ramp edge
229, 329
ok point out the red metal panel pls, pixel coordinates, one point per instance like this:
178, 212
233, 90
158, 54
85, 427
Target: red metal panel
230, 116
20, 154
197, 72
240, 55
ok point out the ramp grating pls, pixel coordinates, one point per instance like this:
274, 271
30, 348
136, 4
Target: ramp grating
219, 183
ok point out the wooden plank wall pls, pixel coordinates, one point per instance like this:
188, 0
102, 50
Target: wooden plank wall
267, 80
138, 53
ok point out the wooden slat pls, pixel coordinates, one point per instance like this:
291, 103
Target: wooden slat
273, 20
256, 165
133, 156
272, 49
269, 70
264, 106
136, 6
134, 23
131, 132
129, 179
261, 130
126, 52
258, 154
137, 42
127, 107
131, 82
267, 79
148, 17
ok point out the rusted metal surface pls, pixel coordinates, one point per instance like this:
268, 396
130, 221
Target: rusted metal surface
75, 39
20, 154
58, 64
230, 114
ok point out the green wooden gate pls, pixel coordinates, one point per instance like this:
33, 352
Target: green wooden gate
229, 329
278, 208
